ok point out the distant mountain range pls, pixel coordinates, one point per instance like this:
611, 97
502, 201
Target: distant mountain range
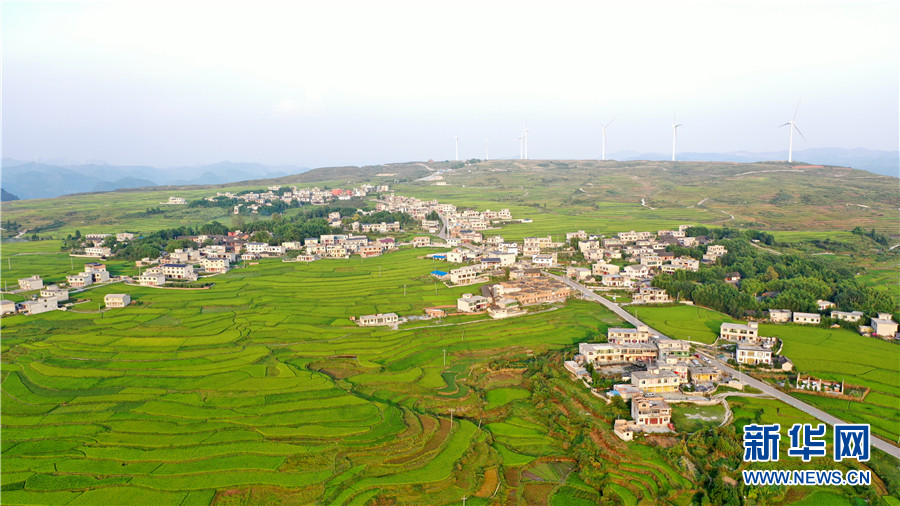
30, 180
886, 163
5, 196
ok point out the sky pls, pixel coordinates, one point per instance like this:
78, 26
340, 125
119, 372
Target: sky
353, 83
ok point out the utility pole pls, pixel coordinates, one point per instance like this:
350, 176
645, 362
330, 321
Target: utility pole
464, 500
451, 417
445, 357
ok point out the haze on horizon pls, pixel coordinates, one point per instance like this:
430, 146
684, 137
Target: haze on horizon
340, 83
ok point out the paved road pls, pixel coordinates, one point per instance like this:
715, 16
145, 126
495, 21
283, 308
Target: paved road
443, 234
590, 295
885, 446
889, 448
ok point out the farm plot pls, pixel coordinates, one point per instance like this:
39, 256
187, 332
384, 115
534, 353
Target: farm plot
263, 382
839, 354
682, 321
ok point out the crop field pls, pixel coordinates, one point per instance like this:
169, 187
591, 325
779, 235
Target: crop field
691, 417
682, 321
263, 384
262, 390
23, 259
838, 354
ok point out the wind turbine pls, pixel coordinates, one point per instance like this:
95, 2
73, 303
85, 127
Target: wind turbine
521, 148
525, 142
487, 149
791, 128
457, 148
675, 126
604, 139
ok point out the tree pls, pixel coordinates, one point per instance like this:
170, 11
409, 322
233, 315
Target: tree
771, 274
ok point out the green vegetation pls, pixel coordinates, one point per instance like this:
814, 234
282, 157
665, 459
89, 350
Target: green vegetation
263, 381
691, 417
823, 353
783, 281
691, 323
262, 390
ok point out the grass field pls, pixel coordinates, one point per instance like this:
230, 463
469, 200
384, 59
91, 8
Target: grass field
840, 354
691, 323
691, 417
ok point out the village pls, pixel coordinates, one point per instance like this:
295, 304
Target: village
646, 368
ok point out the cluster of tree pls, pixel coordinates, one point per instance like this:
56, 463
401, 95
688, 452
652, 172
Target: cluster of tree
404, 219
271, 207
11, 226
311, 222
716, 233
433, 215
154, 210
871, 234
787, 281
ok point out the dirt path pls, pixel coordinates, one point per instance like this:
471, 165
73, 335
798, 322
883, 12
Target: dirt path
644, 203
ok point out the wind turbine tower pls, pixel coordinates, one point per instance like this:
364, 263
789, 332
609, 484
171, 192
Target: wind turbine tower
487, 149
603, 153
675, 126
457, 148
525, 142
791, 127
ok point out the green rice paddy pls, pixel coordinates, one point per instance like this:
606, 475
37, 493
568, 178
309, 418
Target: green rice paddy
263, 383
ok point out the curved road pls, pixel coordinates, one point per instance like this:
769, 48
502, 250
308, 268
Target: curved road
881, 444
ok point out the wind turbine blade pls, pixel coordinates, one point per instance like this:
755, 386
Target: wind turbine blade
796, 110
786, 124
678, 125
610, 123
799, 132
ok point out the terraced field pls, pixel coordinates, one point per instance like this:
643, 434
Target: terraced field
263, 387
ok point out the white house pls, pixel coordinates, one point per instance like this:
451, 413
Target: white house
753, 355
215, 264
151, 279
117, 300
544, 261
371, 320
780, 315
465, 275
53, 291
807, 318
825, 304
470, 303
40, 305
80, 280
7, 307
884, 327
256, 247
739, 331
178, 271
31, 283
98, 251
848, 316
